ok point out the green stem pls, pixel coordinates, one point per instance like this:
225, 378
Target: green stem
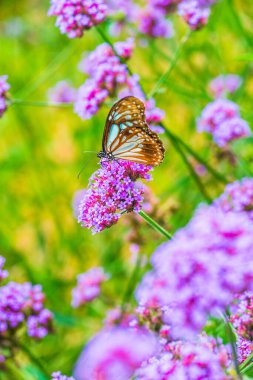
39, 103
191, 170
173, 62
155, 225
246, 369
34, 359
246, 362
131, 285
233, 345
216, 174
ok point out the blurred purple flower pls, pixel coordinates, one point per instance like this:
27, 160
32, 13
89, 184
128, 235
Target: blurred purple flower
109, 77
62, 92
222, 119
153, 23
88, 286
224, 84
112, 191
198, 273
58, 376
76, 16
237, 196
167, 5
194, 12
186, 361
23, 303
4, 87
3, 273
114, 354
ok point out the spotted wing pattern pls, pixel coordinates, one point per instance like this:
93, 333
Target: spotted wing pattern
127, 135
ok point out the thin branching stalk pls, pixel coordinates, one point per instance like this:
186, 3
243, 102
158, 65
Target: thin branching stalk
156, 226
39, 103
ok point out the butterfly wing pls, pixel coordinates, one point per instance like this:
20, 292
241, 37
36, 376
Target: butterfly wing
127, 135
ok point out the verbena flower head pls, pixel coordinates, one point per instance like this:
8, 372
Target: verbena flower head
88, 286
58, 376
198, 273
62, 92
224, 84
194, 13
4, 87
114, 354
186, 361
76, 16
237, 196
153, 23
222, 119
242, 320
112, 190
106, 75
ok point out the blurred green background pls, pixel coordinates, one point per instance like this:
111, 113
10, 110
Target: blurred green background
42, 151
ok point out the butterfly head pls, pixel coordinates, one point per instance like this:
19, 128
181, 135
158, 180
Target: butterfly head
104, 154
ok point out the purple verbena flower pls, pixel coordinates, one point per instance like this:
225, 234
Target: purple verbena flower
153, 23
194, 13
58, 376
242, 320
88, 286
112, 190
76, 16
115, 354
224, 84
39, 325
185, 361
197, 274
4, 87
237, 196
222, 119
62, 92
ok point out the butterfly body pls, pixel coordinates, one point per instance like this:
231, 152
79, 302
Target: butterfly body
127, 135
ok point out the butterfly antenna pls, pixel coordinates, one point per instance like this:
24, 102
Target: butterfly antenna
83, 167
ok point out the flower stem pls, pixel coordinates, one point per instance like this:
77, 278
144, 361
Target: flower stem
191, 151
230, 336
155, 225
173, 62
191, 170
34, 359
39, 103
131, 285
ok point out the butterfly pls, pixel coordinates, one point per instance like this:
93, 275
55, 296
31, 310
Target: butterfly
127, 135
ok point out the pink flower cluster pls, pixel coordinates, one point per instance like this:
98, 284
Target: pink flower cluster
194, 12
237, 196
153, 22
3, 272
242, 321
198, 273
76, 16
203, 360
222, 119
115, 354
4, 87
58, 376
62, 92
224, 84
109, 77
106, 74
112, 190
88, 286
22, 305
